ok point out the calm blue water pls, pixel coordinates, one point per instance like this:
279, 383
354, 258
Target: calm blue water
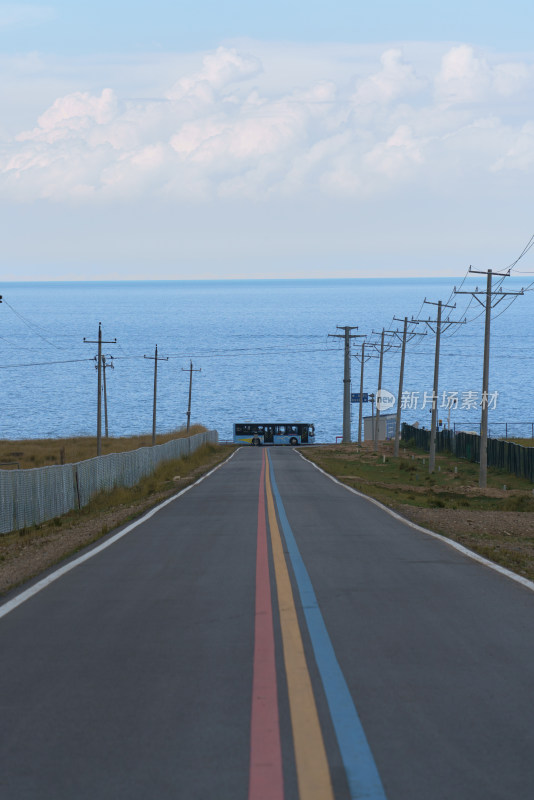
262, 347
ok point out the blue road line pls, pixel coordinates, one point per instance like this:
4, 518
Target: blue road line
362, 774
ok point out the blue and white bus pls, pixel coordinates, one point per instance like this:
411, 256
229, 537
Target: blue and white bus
256, 433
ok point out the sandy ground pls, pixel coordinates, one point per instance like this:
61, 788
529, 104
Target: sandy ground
516, 524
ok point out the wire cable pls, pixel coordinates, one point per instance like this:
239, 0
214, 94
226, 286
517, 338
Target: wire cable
45, 363
33, 327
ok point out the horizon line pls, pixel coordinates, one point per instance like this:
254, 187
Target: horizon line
231, 280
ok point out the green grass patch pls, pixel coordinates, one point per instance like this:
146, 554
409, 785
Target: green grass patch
406, 479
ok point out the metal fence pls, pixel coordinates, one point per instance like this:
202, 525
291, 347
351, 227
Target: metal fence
514, 458
518, 430
31, 496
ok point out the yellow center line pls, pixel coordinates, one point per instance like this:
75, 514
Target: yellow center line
313, 773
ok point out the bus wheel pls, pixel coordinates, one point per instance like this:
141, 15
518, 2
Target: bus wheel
255, 442
293, 441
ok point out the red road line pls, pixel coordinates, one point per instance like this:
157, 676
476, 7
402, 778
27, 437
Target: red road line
266, 779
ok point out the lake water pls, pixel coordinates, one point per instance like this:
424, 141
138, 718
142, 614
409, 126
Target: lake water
262, 346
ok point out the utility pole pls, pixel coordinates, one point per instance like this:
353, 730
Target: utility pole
438, 331
190, 370
372, 399
379, 390
360, 410
156, 358
347, 336
487, 304
100, 342
377, 417
105, 366
362, 358
406, 336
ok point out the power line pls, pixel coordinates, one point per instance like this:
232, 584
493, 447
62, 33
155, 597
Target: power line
45, 363
33, 327
18, 346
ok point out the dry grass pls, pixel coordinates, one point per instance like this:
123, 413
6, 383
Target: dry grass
31, 453
524, 442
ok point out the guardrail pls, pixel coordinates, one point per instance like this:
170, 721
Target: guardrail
31, 496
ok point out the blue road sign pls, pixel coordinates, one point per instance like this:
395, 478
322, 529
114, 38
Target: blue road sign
355, 397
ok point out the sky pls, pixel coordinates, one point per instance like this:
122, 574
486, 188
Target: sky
233, 139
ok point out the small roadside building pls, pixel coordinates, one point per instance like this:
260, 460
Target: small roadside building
386, 427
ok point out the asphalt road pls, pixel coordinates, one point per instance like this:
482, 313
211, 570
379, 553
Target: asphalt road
270, 635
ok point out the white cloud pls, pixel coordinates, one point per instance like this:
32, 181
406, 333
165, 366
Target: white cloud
219, 70
397, 155
228, 128
395, 79
74, 114
466, 77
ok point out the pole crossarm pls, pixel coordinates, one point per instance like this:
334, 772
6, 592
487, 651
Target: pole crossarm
500, 295
409, 334
485, 272
100, 340
347, 332
159, 358
350, 335
377, 346
387, 347
444, 324
103, 341
367, 357
439, 303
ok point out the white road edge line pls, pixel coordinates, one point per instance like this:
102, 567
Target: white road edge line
470, 553
42, 584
